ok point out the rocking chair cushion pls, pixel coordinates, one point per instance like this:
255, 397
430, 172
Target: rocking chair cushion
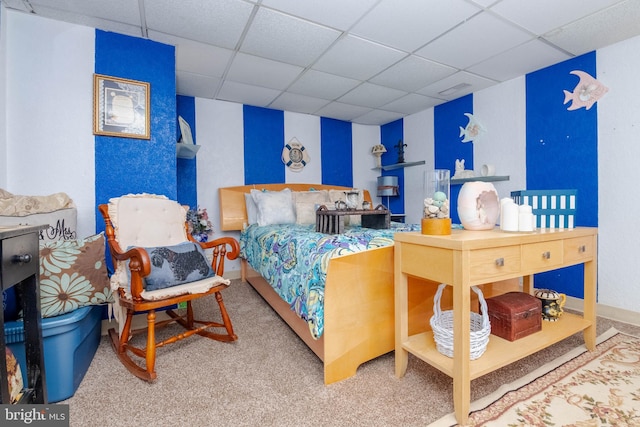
176, 265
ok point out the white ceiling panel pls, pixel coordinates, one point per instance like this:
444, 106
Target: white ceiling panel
340, 111
323, 85
464, 83
189, 84
357, 58
370, 95
272, 74
411, 103
412, 73
375, 117
524, 59
339, 14
483, 36
288, 39
381, 58
541, 16
220, 22
195, 57
299, 103
247, 94
410, 24
615, 24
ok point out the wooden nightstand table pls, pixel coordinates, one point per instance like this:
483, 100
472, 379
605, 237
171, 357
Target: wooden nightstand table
468, 258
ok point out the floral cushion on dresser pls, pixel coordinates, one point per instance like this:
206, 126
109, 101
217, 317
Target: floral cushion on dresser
73, 274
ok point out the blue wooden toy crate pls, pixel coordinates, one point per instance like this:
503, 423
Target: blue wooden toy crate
552, 208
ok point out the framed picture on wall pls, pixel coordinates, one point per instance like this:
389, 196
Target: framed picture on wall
121, 107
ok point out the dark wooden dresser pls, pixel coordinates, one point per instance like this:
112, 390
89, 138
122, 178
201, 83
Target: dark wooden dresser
19, 252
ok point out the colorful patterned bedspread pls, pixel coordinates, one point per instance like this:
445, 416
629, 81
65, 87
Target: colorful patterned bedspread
294, 260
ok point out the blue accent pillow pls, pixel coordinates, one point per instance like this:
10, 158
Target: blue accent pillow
176, 265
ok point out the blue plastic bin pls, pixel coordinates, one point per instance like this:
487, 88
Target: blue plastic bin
70, 342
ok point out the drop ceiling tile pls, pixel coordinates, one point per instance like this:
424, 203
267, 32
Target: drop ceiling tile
285, 38
134, 29
483, 36
262, 72
357, 58
615, 24
340, 111
370, 95
124, 11
519, 61
411, 25
196, 85
377, 117
541, 16
411, 103
195, 57
412, 73
298, 103
325, 11
322, 85
246, 94
215, 22
468, 83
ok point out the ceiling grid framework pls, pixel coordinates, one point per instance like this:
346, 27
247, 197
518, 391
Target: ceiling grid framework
364, 61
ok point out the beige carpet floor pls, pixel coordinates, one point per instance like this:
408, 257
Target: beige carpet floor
270, 378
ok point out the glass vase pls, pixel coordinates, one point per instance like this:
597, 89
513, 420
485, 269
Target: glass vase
436, 213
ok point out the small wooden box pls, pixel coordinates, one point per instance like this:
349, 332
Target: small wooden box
514, 315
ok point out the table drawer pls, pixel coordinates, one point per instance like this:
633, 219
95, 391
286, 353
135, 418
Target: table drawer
540, 256
19, 258
579, 249
494, 263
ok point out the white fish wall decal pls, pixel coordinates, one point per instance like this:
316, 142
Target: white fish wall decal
472, 130
586, 93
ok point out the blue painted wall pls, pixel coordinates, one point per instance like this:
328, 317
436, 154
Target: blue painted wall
336, 152
263, 143
187, 168
391, 135
129, 165
562, 152
448, 145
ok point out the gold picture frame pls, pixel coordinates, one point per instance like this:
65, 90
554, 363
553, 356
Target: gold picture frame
121, 107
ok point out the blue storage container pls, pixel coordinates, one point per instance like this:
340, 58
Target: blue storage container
70, 342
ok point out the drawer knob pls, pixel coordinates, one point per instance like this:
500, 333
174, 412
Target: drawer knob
582, 249
26, 258
546, 255
500, 262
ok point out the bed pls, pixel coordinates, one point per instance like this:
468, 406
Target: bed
358, 318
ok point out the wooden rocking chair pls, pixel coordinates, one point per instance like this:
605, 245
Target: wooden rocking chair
159, 265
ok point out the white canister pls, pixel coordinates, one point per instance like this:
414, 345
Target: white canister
509, 216
525, 221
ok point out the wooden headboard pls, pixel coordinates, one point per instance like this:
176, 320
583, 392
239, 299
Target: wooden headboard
233, 213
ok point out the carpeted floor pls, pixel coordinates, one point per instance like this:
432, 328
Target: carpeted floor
270, 378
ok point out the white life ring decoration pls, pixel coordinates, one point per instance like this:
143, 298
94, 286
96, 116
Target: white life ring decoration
294, 155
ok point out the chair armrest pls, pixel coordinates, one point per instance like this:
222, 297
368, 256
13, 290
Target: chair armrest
223, 247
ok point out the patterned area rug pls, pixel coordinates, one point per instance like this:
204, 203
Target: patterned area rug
580, 389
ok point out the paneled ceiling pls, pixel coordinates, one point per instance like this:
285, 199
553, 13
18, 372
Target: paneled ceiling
364, 61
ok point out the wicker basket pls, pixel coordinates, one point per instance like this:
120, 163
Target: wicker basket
442, 325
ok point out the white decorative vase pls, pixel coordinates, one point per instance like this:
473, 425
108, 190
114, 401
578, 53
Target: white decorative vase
478, 206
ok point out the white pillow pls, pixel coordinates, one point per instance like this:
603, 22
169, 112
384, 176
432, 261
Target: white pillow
274, 207
319, 196
306, 212
252, 209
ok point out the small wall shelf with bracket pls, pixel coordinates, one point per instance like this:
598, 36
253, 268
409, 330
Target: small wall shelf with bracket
460, 181
399, 166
